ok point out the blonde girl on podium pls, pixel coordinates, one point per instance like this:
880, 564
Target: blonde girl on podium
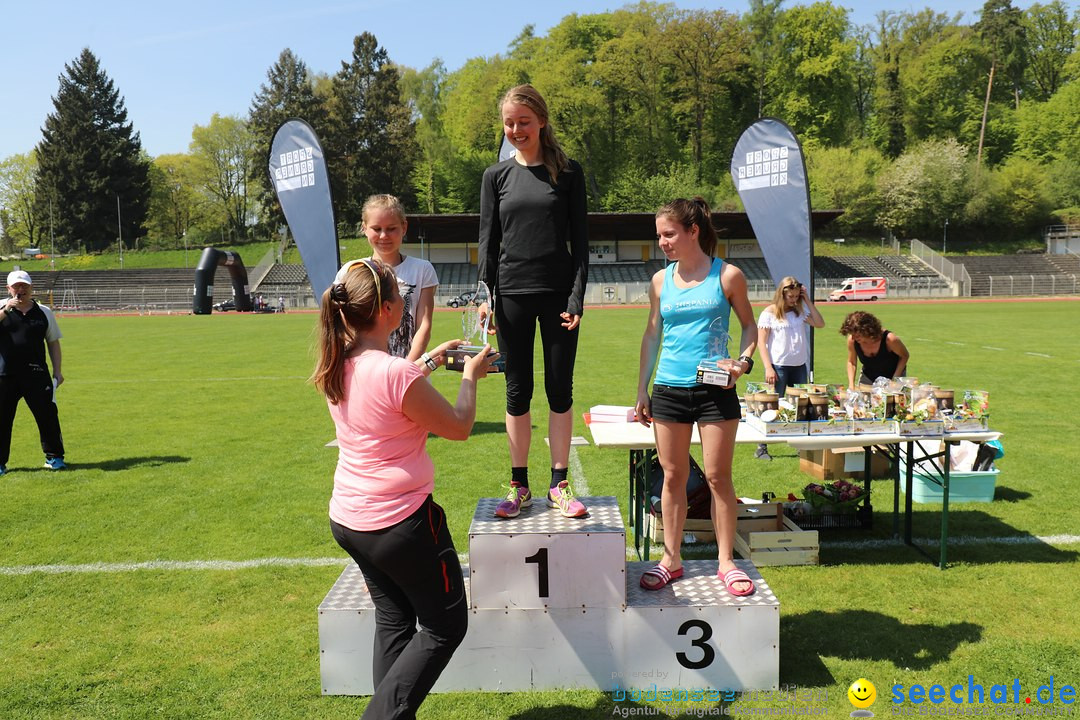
685, 299
381, 511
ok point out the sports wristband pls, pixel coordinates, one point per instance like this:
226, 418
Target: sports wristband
432, 365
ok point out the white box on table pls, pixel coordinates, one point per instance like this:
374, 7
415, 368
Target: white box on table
829, 427
926, 428
958, 425
873, 426
776, 428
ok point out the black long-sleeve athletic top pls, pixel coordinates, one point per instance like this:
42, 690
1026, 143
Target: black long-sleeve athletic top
534, 235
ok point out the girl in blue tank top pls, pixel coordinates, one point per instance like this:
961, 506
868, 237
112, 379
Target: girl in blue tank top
685, 299
687, 314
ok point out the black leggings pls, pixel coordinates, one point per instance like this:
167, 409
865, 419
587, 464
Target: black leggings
413, 574
36, 387
516, 318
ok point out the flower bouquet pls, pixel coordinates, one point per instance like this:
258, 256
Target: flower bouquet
838, 494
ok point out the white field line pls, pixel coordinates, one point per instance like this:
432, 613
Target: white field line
581, 486
143, 381
1042, 355
157, 565
953, 342
991, 347
178, 565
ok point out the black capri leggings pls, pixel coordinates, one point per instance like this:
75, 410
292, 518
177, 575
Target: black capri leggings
516, 318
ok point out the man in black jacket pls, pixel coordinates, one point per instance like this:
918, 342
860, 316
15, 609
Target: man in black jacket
27, 329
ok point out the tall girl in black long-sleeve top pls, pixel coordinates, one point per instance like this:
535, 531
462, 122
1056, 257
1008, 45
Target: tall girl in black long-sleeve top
534, 255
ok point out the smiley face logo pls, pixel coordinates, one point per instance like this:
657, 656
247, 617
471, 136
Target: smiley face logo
862, 693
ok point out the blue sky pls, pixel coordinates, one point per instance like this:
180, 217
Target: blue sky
178, 63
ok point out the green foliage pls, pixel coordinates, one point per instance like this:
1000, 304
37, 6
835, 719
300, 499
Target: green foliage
222, 153
945, 86
18, 176
846, 178
1016, 199
1051, 131
371, 147
924, 187
636, 191
1051, 36
813, 78
178, 202
289, 91
89, 162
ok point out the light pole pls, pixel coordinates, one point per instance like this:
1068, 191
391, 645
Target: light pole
945, 237
52, 238
119, 232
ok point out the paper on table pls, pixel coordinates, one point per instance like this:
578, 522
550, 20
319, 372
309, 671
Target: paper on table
611, 413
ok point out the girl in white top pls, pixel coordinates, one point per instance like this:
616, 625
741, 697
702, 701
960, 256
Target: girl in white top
784, 341
385, 226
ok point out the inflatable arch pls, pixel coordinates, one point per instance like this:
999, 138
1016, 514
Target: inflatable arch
202, 302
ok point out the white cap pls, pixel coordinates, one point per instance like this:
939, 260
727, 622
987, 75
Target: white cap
18, 276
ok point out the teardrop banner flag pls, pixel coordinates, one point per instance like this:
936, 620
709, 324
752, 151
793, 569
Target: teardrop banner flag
302, 184
770, 175
506, 149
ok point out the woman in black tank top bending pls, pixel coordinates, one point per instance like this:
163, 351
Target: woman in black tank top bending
881, 352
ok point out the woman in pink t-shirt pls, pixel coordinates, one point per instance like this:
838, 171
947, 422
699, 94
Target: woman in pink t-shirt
381, 510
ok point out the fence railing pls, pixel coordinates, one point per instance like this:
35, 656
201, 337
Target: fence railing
953, 271
151, 300
1002, 285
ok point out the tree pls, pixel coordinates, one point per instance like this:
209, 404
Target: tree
1001, 27
18, 174
813, 87
223, 151
90, 161
1050, 131
178, 201
372, 148
1051, 39
887, 127
761, 20
289, 91
707, 54
923, 187
845, 178
942, 85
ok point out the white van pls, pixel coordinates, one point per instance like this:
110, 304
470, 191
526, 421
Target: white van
860, 288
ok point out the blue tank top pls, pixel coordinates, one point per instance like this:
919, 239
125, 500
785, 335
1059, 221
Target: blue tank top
687, 314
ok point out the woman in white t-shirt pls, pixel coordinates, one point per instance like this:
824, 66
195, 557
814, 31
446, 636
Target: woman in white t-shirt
385, 226
784, 341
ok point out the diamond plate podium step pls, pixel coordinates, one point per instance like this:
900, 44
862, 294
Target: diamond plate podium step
691, 634
543, 560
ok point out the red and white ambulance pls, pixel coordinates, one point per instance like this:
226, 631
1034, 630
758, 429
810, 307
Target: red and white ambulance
860, 288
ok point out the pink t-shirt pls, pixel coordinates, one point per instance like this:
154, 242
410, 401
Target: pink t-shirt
383, 472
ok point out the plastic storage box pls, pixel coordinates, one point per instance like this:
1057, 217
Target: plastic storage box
964, 487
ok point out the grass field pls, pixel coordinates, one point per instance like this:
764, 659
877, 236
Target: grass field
198, 440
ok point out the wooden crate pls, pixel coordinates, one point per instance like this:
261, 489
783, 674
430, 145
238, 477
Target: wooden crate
763, 535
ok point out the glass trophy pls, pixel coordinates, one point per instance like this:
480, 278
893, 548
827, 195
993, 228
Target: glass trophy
475, 325
716, 349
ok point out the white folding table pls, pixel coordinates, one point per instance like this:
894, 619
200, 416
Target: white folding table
641, 444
